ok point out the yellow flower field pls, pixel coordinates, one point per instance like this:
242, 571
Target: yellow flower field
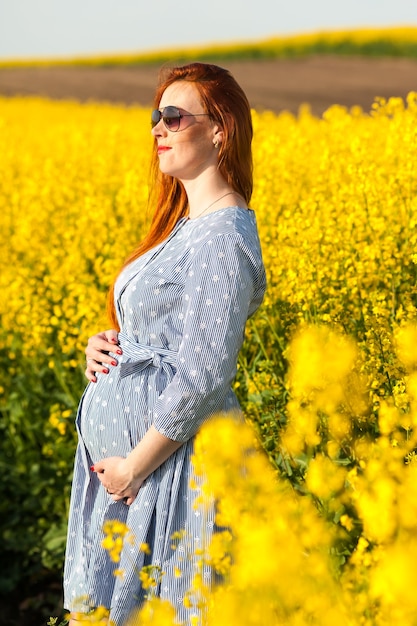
327, 377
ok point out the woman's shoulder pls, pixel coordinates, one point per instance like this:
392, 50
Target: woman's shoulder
228, 235
232, 223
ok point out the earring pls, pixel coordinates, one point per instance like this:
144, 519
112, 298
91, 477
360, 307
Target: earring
216, 144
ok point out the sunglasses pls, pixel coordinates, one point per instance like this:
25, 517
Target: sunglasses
171, 117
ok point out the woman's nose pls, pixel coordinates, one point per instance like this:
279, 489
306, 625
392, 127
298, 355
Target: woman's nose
158, 129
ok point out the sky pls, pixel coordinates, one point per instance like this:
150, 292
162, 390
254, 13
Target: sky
51, 28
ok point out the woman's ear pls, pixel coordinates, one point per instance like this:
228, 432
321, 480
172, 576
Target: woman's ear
218, 137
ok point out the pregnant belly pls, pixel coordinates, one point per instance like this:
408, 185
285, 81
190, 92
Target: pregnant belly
114, 415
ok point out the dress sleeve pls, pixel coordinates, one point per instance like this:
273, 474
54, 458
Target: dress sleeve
218, 292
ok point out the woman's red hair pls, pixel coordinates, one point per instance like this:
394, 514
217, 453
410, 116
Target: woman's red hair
226, 103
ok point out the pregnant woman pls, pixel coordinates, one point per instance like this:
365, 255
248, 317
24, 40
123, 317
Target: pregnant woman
179, 308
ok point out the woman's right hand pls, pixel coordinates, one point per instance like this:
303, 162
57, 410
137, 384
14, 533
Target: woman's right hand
96, 353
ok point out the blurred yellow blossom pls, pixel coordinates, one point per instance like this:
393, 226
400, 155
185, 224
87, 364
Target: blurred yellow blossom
319, 512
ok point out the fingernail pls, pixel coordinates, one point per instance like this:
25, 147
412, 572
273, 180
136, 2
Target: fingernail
105, 371
119, 351
92, 468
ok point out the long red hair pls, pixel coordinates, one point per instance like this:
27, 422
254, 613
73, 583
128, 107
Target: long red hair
226, 103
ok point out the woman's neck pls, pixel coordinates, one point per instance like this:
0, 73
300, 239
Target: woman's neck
210, 195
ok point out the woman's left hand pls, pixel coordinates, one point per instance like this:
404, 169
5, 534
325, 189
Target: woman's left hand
116, 476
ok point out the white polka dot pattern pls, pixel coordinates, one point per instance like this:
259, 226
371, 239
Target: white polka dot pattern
182, 308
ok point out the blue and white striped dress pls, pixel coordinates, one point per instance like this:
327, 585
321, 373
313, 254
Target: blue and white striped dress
182, 309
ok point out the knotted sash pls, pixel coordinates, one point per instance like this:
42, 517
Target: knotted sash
141, 356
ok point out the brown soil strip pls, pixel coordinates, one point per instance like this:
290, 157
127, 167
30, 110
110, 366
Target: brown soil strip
276, 84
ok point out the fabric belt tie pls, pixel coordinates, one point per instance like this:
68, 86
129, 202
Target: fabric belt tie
145, 356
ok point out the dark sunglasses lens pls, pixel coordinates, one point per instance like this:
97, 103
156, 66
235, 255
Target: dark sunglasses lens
170, 116
155, 117
171, 122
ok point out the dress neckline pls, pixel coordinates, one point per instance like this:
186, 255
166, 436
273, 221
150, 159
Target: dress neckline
207, 215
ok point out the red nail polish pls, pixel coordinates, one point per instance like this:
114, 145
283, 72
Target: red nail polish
114, 362
105, 371
92, 468
119, 352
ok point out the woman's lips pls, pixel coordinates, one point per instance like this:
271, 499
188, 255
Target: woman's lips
162, 149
